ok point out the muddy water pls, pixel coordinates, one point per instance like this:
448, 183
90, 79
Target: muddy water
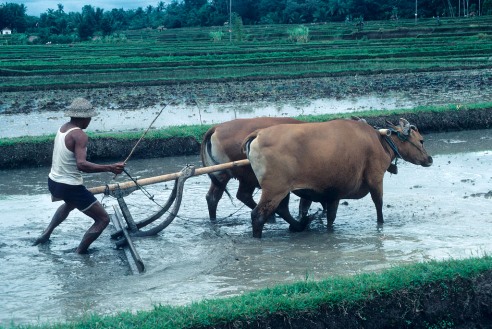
45, 123
440, 212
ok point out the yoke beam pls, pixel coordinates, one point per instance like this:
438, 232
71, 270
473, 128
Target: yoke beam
167, 177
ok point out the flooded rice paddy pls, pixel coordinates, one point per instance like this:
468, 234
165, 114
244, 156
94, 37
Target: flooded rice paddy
47, 122
440, 212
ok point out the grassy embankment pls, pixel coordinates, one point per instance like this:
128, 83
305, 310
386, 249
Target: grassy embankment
197, 131
185, 140
313, 299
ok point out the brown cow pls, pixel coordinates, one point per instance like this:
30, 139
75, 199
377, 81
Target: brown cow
326, 162
221, 144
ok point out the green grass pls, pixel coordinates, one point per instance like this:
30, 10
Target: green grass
288, 299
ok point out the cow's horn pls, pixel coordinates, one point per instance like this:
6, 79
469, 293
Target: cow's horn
385, 132
405, 126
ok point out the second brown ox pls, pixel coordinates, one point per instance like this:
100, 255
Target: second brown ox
221, 144
326, 162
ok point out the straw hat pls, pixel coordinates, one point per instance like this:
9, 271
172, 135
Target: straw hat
80, 108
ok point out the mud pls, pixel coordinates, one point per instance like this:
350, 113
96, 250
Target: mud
472, 83
36, 113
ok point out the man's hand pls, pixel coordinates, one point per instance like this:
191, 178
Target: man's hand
117, 168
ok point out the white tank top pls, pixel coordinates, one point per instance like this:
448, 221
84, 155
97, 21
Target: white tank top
64, 165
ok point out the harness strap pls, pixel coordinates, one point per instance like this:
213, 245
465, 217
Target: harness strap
392, 145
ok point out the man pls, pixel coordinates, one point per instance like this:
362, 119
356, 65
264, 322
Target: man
65, 178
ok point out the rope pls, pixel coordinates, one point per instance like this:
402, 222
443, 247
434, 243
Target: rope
151, 198
140, 187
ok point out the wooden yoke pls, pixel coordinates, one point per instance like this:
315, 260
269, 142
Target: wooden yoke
167, 177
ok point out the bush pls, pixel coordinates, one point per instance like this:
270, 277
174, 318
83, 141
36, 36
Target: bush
299, 34
216, 36
63, 38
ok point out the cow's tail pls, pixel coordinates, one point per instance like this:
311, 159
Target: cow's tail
209, 160
206, 149
247, 142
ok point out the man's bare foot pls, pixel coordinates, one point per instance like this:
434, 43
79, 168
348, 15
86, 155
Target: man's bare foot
40, 240
81, 251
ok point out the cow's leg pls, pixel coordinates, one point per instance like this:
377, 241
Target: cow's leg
377, 197
304, 206
283, 211
259, 216
245, 194
331, 207
215, 193
268, 204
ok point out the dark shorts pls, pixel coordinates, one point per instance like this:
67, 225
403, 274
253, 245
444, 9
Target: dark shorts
76, 195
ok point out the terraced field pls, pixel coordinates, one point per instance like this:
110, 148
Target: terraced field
150, 57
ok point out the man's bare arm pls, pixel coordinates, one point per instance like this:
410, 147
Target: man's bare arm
80, 140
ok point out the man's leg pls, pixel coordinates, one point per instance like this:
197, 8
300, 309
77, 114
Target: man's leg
60, 215
101, 221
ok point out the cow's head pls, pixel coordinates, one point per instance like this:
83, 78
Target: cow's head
410, 143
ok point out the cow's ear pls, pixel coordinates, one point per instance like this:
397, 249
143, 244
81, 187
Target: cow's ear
390, 124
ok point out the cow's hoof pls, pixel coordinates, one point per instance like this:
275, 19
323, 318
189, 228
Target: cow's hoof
305, 221
257, 234
296, 227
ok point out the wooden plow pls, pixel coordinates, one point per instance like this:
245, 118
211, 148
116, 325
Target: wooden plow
127, 228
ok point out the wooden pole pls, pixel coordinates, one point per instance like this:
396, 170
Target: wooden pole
168, 177
141, 137
134, 260
145, 133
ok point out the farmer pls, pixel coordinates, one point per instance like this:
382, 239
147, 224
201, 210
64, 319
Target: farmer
65, 179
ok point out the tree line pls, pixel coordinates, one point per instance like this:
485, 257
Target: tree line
59, 26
